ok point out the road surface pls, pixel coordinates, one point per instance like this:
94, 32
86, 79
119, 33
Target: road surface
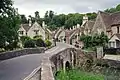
20, 67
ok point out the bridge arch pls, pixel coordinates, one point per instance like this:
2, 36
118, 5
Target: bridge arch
67, 65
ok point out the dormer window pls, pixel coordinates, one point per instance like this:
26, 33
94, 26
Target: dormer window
36, 32
21, 32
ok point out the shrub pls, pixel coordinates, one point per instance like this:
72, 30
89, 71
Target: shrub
37, 37
29, 44
48, 43
40, 43
24, 38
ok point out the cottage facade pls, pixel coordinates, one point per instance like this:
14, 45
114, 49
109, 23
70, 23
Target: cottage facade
35, 29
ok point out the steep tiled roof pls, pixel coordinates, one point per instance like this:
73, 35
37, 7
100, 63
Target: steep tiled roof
115, 18
89, 24
110, 19
106, 19
26, 27
118, 35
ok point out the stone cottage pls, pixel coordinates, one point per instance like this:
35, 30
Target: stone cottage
35, 29
110, 25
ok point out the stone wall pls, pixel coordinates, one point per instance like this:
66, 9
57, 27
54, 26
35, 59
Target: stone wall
16, 53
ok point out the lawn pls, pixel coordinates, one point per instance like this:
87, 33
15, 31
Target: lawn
78, 75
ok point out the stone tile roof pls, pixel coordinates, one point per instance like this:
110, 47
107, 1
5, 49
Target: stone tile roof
115, 18
110, 19
106, 19
26, 27
89, 24
118, 35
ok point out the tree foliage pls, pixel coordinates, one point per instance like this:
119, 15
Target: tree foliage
114, 9
54, 21
95, 40
9, 24
23, 19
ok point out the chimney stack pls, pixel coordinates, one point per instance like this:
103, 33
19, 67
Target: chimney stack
78, 26
30, 22
43, 24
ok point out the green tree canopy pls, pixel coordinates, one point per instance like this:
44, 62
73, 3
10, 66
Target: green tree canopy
9, 23
114, 9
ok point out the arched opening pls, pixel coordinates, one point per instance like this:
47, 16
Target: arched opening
61, 63
67, 66
74, 60
57, 73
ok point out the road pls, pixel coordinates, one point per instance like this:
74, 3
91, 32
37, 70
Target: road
20, 67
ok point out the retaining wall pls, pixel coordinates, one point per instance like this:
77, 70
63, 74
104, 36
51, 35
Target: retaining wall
16, 53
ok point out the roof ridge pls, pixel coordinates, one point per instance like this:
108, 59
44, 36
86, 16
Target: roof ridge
104, 12
115, 13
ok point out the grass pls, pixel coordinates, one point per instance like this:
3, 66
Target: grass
78, 75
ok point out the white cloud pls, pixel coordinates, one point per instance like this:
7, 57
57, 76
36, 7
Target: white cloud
28, 7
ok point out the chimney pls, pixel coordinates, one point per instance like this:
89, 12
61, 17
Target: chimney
78, 26
73, 27
85, 19
43, 24
30, 22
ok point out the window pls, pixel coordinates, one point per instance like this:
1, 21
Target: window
113, 44
21, 32
36, 32
117, 29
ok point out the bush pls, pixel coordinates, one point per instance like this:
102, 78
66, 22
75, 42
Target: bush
29, 44
48, 43
24, 38
37, 37
40, 43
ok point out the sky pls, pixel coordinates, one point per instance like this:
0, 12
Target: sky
28, 7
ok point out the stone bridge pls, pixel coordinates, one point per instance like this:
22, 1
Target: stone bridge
40, 66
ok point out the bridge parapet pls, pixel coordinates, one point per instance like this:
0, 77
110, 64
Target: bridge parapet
62, 60
16, 53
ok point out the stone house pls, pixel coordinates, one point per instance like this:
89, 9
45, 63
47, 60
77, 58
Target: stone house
35, 29
105, 22
110, 25
70, 36
88, 26
114, 41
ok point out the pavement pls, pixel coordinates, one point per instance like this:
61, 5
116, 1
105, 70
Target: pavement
20, 67
112, 57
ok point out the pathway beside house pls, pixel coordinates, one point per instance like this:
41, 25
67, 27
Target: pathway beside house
112, 57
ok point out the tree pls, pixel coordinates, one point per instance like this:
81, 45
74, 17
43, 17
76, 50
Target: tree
46, 17
94, 40
92, 16
9, 24
114, 9
23, 19
118, 7
51, 14
37, 18
54, 21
